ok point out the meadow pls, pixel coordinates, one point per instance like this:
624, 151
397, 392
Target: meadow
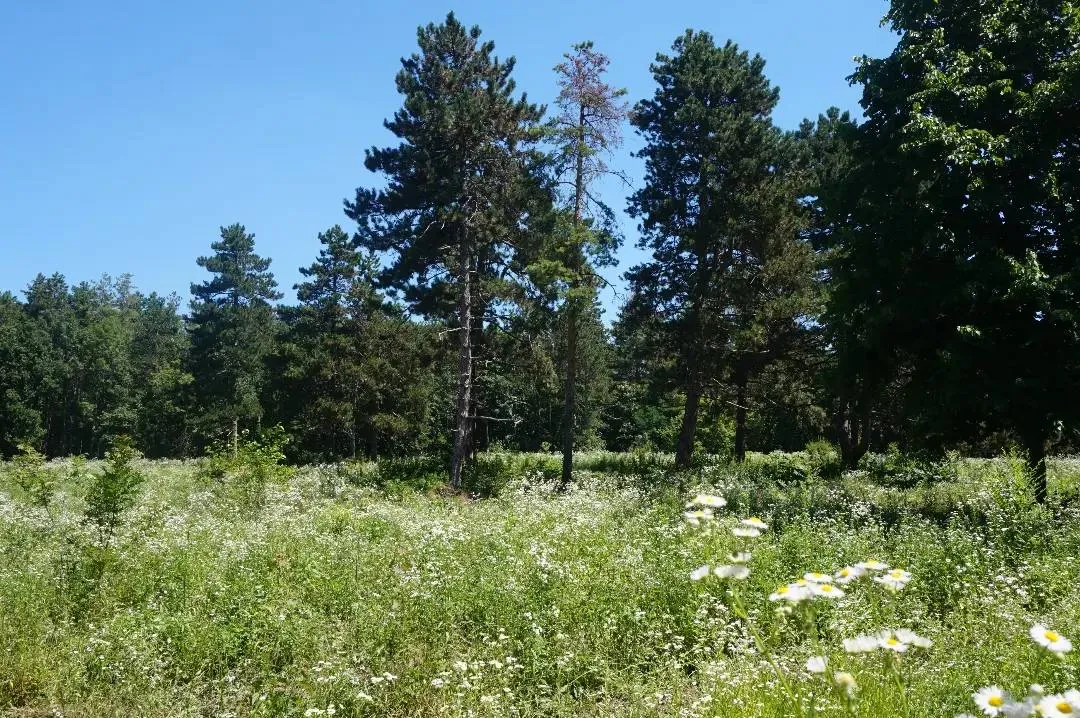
231, 589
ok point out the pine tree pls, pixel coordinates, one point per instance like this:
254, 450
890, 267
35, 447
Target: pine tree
587, 128
232, 330
729, 277
460, 187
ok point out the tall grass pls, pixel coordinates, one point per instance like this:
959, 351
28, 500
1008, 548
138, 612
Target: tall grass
335, 596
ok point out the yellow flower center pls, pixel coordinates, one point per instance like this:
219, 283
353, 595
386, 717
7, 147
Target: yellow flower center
996, 701
826, 588
893, 642
1052, 636
844, 573
782, 590
1064, 707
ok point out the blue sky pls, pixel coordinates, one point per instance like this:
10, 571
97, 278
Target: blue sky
132, 130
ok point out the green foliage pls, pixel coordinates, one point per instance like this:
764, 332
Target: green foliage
232, 331
113, 490
29, 473
242, 477
197, 608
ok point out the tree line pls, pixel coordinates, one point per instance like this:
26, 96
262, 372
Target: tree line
910, 278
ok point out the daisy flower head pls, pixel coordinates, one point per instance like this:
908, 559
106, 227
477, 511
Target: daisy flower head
1022, 709
1060, 705
1050, 640
740, 557
709, 500
817, 577
846, 683
991, 700
894, 580
696, 518
871, 565
736, 571
745, 532
912, 639
860, 644
826, 590
816, 664
891, 642
792, 593
848, 574
755, 523
699, 573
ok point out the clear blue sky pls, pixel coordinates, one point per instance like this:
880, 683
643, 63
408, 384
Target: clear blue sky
131, 130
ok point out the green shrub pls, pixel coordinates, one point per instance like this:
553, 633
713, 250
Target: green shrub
29, 473
241, 477
113, 490
489, 475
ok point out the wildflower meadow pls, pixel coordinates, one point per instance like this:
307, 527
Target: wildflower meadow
731, 590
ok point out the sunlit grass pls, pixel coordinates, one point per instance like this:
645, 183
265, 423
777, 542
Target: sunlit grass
335, 599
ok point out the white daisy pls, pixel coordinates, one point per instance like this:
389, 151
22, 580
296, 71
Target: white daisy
849, 574
890, 642
894, 580
745, 532
1023, 709
913, 639
871, 565
737, 572
826, 590
845, 682
1059, 705
860, 644
715, 502
740, 557
793, 593
816, 577
695, 518
816, 664
755, 523
991, 700
699, 573
1050, 640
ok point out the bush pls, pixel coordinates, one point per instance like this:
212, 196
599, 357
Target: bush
241, 477
113, 491
29, 473
489, 475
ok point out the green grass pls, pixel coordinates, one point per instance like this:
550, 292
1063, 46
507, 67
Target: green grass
389, 602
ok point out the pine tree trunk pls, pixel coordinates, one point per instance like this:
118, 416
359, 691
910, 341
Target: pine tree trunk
570, 389
235, 435
684, 451
465, 369
570, 396
741, 382
1036, 448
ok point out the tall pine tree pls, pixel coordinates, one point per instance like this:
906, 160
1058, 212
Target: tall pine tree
461, 187
232, 331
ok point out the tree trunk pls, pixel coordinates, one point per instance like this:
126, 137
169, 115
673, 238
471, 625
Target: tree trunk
570, 389
741, 382
852, 429
684, 451
465, 369
570, 396
1036, 450
235, 435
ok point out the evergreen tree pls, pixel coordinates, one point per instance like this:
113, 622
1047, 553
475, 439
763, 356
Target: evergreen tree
461, 185
729, 276
587, 128
358, 373
232, 330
